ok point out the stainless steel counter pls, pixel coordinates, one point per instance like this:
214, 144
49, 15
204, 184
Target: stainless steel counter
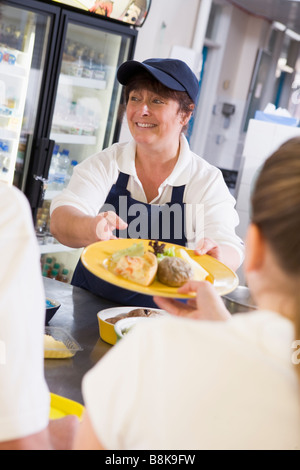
78, 317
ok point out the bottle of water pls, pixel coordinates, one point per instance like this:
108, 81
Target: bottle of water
72, 166
70, 171
53, 168
4, 157
89, 65
64, 161
62, 170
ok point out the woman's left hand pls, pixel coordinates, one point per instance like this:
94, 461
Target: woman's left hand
226, 254
207, 246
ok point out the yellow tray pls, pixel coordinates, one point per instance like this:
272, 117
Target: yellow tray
61, 407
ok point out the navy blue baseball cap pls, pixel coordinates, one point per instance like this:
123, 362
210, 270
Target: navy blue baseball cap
173, 73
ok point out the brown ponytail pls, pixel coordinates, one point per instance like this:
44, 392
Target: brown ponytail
276, 211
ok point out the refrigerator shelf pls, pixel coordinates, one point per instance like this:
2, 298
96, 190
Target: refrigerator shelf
73, 139
13, 70
82, 82
4, 178
7, 134
54, 248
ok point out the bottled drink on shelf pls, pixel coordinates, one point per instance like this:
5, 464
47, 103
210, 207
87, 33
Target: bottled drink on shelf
50, 268
45, 271
99, 68
77, 66
70, 171
64, 276
64, 161
88, 70
61, 175
71, 167
71, 124
4, 157
53, 168
49, 263
54, 274
57, 268
42, 226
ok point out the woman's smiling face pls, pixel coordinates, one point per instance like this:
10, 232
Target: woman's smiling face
153, 119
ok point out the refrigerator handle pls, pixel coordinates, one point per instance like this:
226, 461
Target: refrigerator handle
41, 163
49, 153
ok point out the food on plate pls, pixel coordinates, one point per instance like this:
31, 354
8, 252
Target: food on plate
134, 264
158, 248
172, 265
136, 249
137, 312
174, 272
161, 251
199, 273
54, 349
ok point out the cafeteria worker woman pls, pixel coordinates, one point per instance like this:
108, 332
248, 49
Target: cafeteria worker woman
153, 187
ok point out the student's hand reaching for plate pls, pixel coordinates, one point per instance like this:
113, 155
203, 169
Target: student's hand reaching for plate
207, 305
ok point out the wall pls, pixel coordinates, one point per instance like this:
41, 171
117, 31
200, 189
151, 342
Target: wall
164, 28
224, 140
169, 23
262, 139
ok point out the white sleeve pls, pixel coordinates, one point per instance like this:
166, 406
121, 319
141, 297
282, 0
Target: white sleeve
24, 395
215, 214
89, 185
111, 405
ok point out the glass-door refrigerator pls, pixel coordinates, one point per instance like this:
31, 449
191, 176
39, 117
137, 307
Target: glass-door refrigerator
86, 104
25, 62
59, 97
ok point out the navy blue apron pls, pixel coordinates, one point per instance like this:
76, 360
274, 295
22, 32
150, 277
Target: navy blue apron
150, 225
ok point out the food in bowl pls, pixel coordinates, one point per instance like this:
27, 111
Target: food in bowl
106, 328
137, 312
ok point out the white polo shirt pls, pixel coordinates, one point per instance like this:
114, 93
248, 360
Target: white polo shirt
210, 209
24, 395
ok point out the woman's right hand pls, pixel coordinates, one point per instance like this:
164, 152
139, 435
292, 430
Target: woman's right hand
207, 305
106, 223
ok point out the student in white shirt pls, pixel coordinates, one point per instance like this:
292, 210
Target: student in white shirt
225, 382
24, 395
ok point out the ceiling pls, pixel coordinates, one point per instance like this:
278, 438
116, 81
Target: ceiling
286, 12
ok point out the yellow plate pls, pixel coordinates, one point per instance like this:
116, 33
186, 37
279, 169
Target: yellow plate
61, 407
95, 256
107, 330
